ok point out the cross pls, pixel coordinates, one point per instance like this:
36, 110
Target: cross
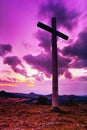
55, 33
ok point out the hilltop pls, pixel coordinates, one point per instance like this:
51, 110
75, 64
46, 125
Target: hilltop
19, 111
39, 117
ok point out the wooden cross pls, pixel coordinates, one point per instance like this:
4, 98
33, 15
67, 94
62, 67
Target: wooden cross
55, 33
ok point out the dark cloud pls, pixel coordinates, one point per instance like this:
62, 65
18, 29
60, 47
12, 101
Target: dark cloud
79, 64
63, 65
11, 79
13, 61
4, 49
63, 61
44, 40
67, 74
7, 81
65, 17
83, 78
43, 63
38, 77
79, 50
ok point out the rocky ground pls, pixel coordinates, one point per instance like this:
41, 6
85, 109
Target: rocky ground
38, 117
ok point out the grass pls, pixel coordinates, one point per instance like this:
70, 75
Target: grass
39, 117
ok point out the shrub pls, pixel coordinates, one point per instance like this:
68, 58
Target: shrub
71, 102
42, 100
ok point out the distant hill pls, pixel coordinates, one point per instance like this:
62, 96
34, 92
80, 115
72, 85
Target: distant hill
15, 95
33, 97
10, 95
7, 94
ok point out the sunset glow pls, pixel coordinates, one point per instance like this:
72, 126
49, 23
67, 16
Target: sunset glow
7, 84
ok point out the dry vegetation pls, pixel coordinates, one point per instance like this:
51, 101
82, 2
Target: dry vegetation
38, 117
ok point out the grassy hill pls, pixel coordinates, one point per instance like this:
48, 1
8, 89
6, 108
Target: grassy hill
39, 117
20, 112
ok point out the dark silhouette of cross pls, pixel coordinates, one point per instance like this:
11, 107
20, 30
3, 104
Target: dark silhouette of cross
55, 33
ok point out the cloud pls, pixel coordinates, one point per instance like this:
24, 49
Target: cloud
38, 77
67, 74
14, 61
83, 78
4, 49
12, 80
79, 50
63, 66
79, 64
7, 80
44, 40
43, 63
65, 17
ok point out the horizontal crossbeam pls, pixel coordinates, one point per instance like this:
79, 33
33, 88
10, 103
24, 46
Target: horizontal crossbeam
49, 29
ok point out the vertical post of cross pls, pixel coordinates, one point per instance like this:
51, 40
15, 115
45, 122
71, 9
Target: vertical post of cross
54, 66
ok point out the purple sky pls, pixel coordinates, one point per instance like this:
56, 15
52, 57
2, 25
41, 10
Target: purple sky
25, 49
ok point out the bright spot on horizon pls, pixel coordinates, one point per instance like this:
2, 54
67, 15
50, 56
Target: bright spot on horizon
30, 85
7, 84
